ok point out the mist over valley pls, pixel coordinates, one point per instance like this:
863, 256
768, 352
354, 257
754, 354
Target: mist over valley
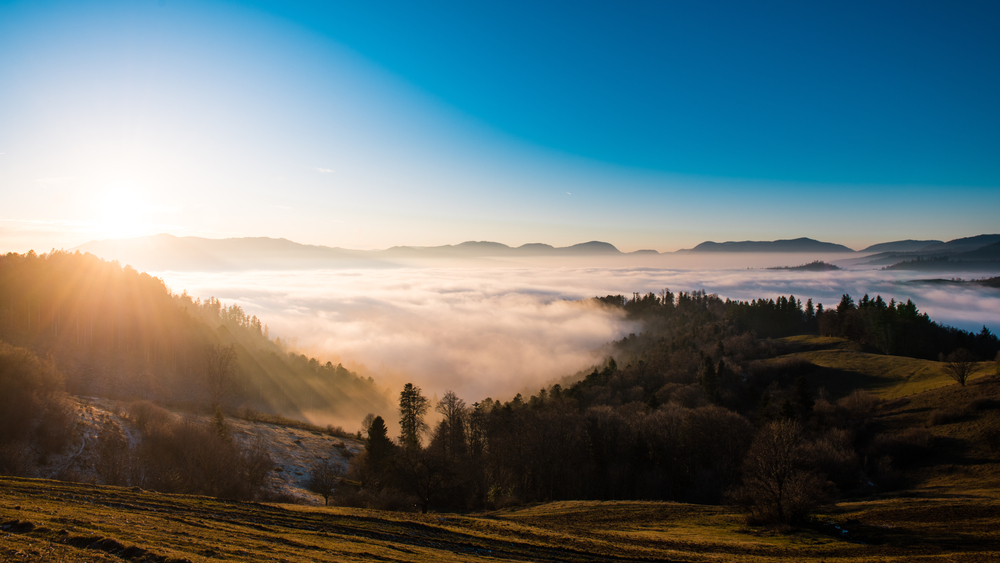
484, 325
483, 281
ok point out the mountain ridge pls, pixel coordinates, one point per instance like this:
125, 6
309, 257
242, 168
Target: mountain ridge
169, 252
801, 244
908, 245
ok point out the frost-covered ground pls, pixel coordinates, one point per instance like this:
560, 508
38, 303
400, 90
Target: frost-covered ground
293, 450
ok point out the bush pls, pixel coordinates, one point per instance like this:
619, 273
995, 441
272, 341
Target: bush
145, 415
385, 499
834, 455
181, 456
906, 447
116, 463
35, 416
860, 404
992, 440
251, 415
15, 460
943, 416
784, 370
883, 473
982, 404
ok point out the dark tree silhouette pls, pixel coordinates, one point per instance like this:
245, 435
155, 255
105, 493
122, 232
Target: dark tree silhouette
378, 456
220, 368
323, 477
453, 425
423, 474
775, 487
412, 408
960, 365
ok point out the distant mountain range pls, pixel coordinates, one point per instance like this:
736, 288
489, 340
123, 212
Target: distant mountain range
484, 249
168, 252
794, 245
981, 248
981, 259
899, 246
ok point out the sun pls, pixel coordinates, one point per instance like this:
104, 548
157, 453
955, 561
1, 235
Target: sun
122, 213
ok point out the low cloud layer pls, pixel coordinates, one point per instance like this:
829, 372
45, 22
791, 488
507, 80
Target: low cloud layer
499, 330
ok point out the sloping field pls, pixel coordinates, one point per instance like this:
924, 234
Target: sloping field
293, 450
965, 425
846, 368
56, 521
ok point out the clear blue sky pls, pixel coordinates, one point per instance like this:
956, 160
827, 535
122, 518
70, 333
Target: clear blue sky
371, 124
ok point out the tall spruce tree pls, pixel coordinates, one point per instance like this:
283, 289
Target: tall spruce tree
412, 408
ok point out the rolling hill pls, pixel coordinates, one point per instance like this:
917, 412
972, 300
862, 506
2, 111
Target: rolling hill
908, 245
794, 245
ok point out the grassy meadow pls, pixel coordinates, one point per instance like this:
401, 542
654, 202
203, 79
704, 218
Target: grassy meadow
55, 521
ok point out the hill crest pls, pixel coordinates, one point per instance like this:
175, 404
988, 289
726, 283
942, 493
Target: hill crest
801, 244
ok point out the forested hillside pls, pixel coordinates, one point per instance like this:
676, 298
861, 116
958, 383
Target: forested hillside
697, 408
115, 332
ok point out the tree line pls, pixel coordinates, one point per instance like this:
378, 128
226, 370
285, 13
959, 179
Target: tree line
693, 409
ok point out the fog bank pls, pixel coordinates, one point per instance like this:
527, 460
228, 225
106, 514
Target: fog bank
493, 331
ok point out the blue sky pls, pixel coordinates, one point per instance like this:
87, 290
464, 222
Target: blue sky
371, 124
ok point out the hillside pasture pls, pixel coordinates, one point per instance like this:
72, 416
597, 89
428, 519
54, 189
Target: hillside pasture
45, 520
843, 368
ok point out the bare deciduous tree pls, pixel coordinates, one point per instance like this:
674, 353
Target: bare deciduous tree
220, 367
453, 409
960, 366
775, 488
323, 478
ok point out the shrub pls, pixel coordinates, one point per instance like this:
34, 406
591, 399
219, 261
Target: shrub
145, 415
992, 440
883, 472
904, 447
943, 416
116, 463
181, 456
860, 404
982, 404
783, 370
15, 460
34, 413
834, 455
385, 499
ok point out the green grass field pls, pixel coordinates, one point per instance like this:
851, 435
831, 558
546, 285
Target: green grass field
846, 368
56, 521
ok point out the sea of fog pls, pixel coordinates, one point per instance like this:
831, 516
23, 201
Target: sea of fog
497, 328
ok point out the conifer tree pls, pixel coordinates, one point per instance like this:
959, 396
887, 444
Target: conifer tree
412, 408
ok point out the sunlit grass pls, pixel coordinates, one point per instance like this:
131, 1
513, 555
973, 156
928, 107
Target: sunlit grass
886, 376
67, 518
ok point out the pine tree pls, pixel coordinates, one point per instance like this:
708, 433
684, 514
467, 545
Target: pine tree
378, 458
412, 408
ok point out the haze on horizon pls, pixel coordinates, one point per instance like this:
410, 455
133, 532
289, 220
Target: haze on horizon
647, 125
